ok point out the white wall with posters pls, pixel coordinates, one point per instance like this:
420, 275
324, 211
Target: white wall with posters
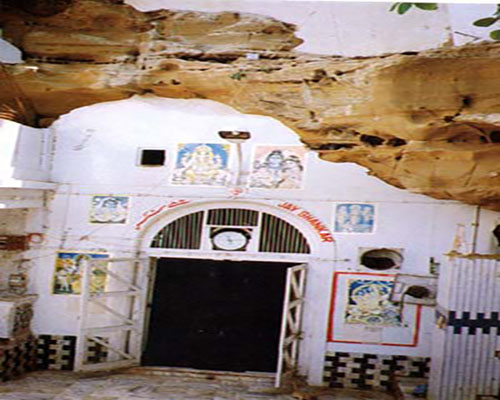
106, 203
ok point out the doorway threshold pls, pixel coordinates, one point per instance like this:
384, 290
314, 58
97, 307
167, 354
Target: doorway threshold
203, 374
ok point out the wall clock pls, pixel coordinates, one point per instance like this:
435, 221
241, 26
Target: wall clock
230, 239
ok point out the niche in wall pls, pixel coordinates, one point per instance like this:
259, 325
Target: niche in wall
151, 157
380, 259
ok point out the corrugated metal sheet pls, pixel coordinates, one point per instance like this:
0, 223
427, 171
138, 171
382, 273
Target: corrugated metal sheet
466, 365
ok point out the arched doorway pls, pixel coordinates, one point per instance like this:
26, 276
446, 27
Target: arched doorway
224, 311
192, 236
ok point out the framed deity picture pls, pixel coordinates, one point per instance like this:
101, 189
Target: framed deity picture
109, 209
354, 218
278, 167
204, 164
361, 312
67, 277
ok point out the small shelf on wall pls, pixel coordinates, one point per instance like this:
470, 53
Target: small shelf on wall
415, 289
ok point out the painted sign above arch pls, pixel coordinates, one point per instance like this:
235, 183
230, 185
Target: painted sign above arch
313, 221
147, 215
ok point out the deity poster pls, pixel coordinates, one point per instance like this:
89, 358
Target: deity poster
368, 303
204, 164
278, 167
109, 209
354, 218
361, 312
68, 273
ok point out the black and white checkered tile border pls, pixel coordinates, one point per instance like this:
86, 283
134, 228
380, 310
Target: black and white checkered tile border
56, 352
17, 357
471, 323
370, 371
96, 352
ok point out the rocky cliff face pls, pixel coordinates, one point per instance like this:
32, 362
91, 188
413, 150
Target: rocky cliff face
428, 122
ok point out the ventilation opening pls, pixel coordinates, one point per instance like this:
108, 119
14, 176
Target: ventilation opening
233, 217
278, 236
419, 292
381, 259
183, 233
150, 157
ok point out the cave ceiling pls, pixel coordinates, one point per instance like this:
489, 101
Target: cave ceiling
428, 121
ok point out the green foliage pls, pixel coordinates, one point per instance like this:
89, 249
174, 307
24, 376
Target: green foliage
489, 21
485, 21
402, 8
427, 6
495, 35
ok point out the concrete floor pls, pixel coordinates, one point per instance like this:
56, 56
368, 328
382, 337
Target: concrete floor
154, 384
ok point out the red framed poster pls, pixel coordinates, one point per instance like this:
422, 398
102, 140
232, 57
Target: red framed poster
361, 312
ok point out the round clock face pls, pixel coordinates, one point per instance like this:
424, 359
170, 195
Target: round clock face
230, 240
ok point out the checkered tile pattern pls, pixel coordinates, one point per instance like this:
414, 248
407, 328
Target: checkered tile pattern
370, 371
17, 357
56, 352
469, 323
95, 352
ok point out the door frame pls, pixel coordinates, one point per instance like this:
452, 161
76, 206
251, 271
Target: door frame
323, 254
293, 298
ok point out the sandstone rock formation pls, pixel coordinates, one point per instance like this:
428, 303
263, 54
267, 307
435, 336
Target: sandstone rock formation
428, 122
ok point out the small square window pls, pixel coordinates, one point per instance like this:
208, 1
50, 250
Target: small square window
150, 157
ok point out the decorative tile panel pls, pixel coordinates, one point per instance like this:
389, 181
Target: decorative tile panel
95, 352
370, 371
56, 352
17, 357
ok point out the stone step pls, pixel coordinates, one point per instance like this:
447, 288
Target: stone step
264, 378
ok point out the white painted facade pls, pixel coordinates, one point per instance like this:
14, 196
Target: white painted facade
95, 152
49, 176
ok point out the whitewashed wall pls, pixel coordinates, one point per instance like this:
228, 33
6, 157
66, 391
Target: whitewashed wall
24, 154
96, 150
